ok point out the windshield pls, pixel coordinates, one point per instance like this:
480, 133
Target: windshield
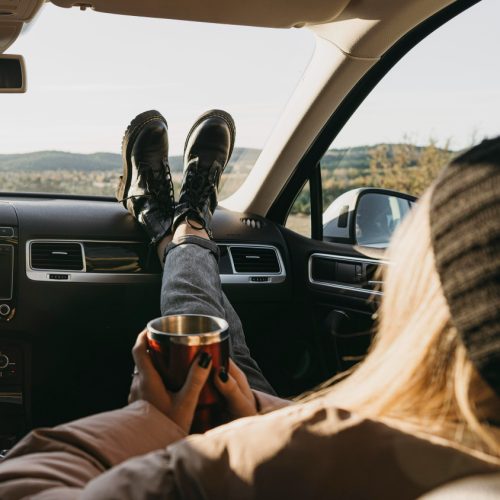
90, 73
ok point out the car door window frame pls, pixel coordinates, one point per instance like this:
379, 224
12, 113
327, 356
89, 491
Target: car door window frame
305, 168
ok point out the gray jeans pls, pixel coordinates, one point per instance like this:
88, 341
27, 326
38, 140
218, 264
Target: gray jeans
191, 285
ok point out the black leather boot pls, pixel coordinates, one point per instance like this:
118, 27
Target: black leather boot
146, 189
208, 148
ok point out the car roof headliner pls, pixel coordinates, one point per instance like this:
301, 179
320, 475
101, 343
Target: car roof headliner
265, 13
345, 17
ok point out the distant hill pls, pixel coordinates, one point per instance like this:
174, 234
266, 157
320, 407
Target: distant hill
59, 160
359, 157
242, 160
343, 169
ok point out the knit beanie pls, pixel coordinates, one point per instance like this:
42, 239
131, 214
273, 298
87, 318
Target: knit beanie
465, 234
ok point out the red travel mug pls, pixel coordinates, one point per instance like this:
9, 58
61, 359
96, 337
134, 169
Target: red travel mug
174, 342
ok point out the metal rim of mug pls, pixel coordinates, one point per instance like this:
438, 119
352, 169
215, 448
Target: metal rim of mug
205, 338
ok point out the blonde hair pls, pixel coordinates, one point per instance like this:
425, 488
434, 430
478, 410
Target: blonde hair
417, 373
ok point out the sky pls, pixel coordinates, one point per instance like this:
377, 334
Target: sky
90, 73
446, 89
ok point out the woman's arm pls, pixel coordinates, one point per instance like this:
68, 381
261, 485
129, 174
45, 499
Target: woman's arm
256, 457
69, 456
62, 460
59, 462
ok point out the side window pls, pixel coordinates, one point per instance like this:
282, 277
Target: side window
441, 98
299, 218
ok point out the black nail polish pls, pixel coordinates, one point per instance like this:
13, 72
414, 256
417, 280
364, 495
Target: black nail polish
223, 375
205, 359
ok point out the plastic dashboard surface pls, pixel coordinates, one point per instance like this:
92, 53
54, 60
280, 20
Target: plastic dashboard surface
48, 296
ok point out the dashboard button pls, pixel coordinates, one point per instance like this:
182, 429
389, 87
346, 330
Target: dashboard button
4, 309
6, 232
4, 361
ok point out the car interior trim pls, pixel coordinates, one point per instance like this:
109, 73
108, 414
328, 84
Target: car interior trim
340, 286
281, 272
253, 278
351, 259
12, 267
82, 276
327, 84
29, 256
350, 103
266, 13
15, 15
11, 397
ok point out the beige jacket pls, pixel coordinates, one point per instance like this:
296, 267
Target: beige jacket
306, 451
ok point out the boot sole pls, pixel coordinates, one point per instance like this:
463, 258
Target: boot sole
136, 125
219, 114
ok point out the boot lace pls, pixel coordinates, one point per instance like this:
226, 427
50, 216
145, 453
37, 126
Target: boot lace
159, 184
199, 187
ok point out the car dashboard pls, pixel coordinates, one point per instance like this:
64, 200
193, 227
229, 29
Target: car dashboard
79, 280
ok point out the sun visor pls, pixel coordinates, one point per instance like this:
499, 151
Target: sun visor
265, 13
18, 10
13, 14
8, 34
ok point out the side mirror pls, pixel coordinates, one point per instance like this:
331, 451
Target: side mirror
12, 74
366, 216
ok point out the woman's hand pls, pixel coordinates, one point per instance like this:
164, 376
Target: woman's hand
234, 387
148, 385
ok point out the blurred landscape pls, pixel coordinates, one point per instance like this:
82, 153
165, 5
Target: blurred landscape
95, 174
407, 168
402, 167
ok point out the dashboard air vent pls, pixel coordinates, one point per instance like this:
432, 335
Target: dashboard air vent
251, 260
57, 256
251, 222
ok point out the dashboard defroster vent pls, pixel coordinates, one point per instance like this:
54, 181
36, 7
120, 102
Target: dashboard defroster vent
255, 260
252, 222
56, 256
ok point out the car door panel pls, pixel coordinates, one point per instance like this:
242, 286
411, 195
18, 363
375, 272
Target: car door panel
340, 304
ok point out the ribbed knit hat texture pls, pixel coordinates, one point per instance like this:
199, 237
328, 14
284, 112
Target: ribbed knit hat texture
465, 233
